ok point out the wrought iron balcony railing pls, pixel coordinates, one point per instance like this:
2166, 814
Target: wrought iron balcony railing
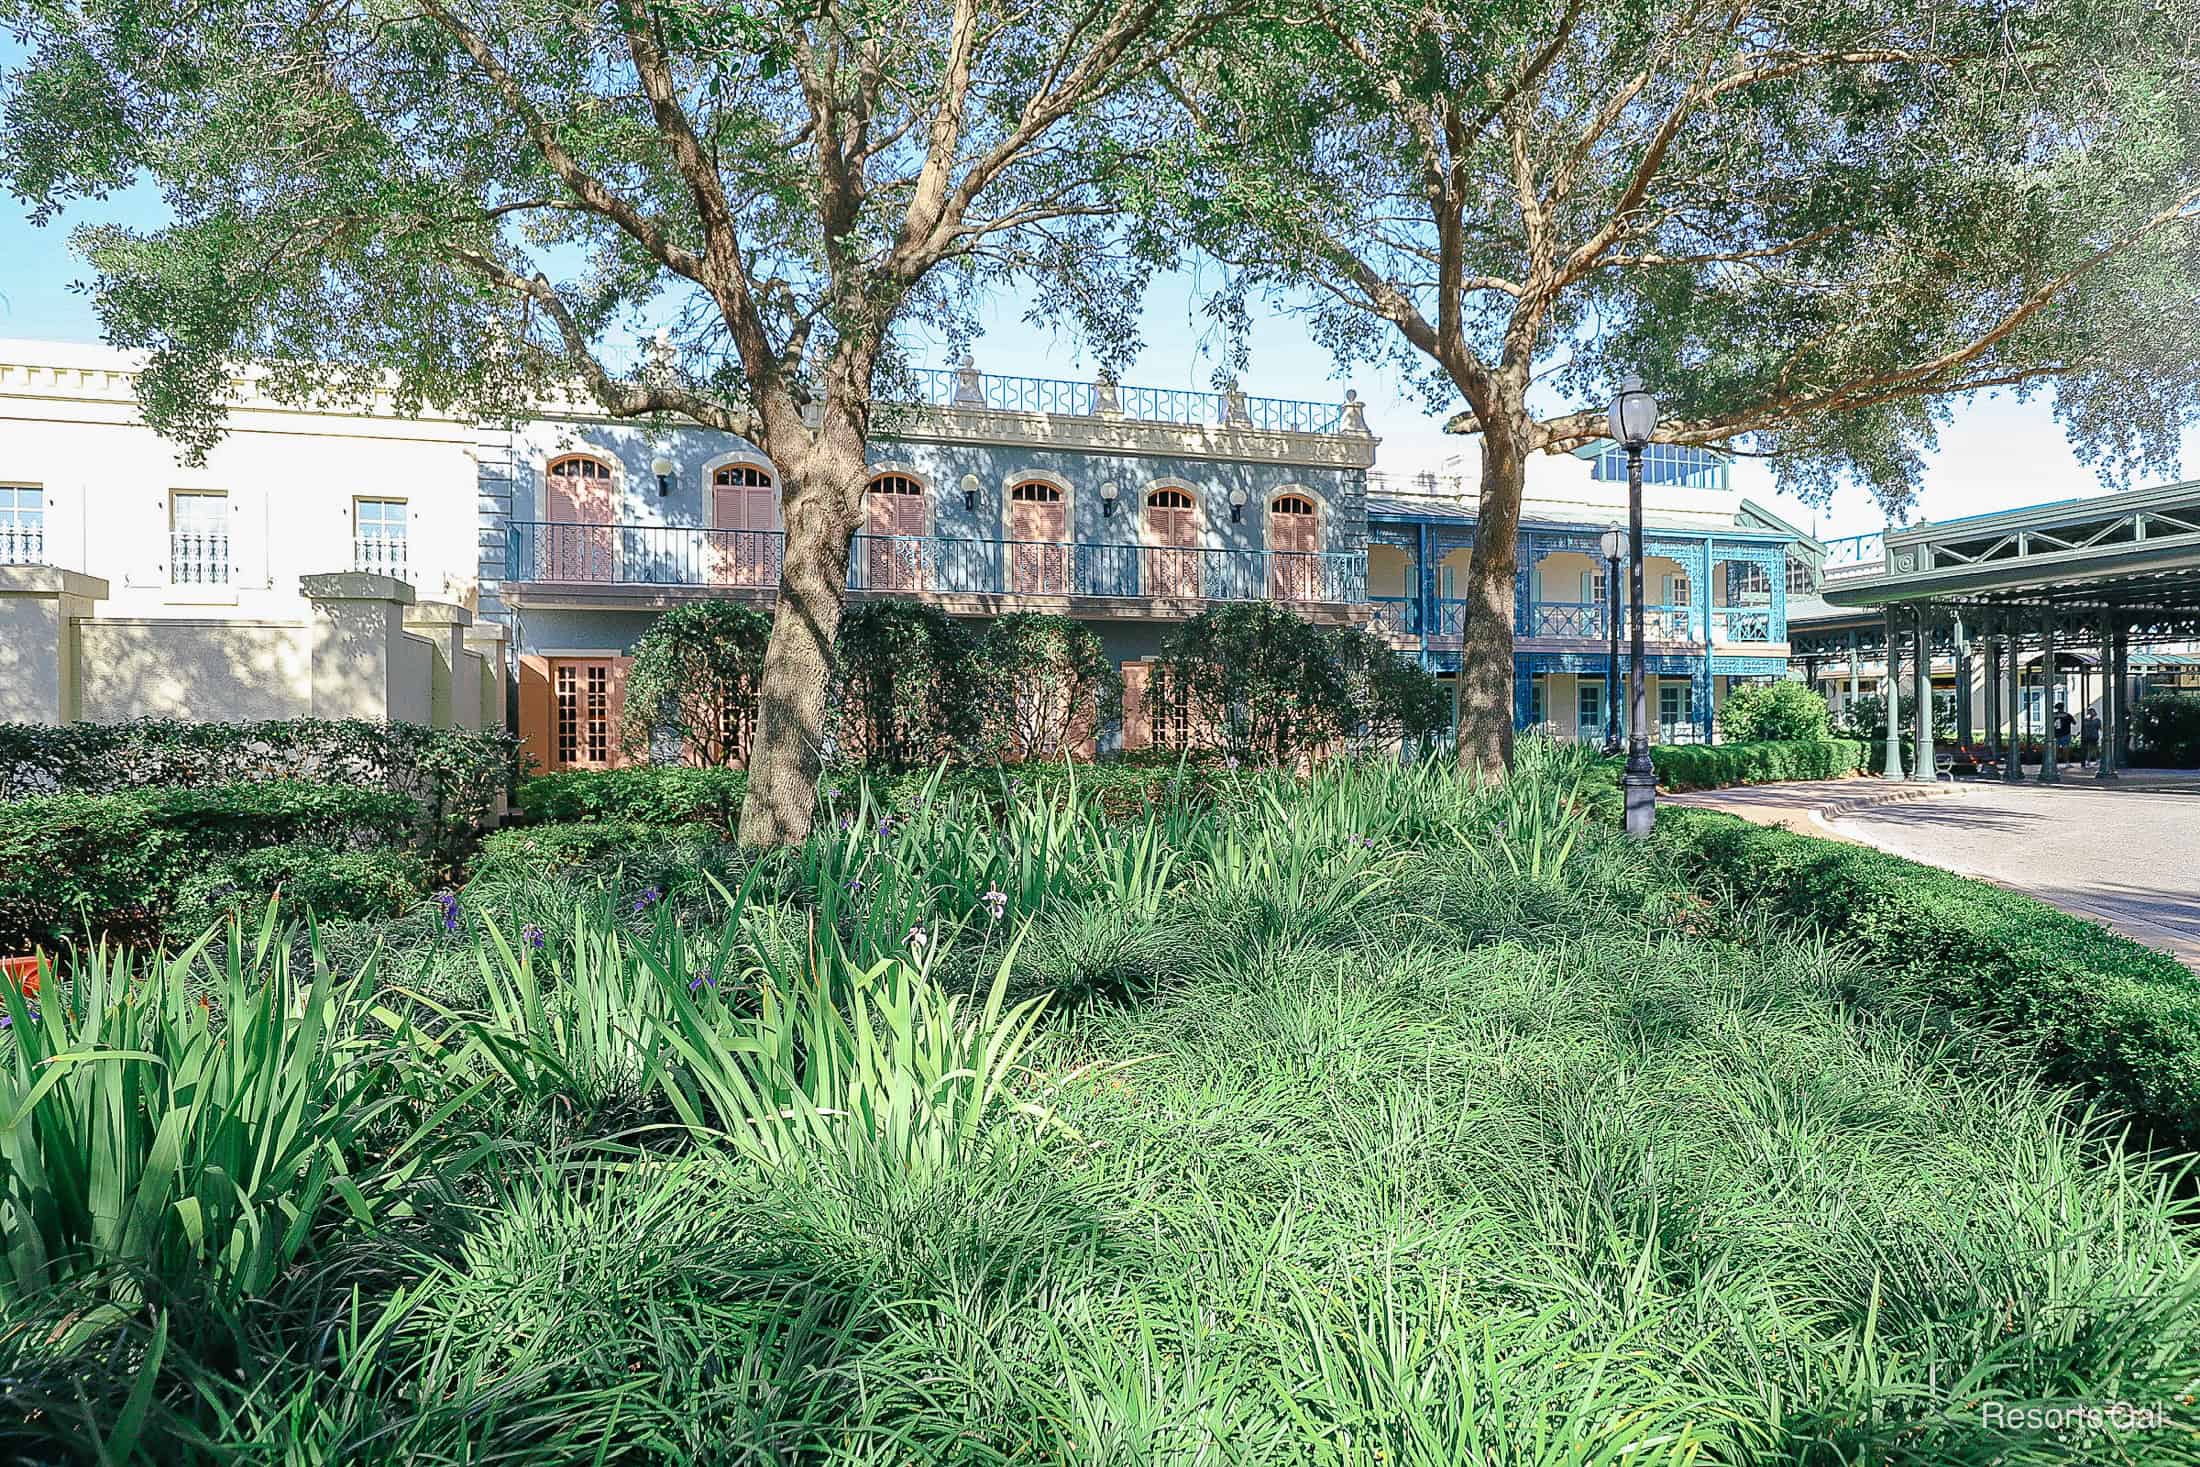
198, 559
22, 545
1587, 619
665, 555
1741, 623
1396, 616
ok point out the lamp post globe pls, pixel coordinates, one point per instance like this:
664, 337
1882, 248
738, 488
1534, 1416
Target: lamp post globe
1633, 419
1614, 548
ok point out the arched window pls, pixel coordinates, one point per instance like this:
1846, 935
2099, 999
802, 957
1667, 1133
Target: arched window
1038, 535
578, 497
1294, 546
1172, 560
898, 528
744, 526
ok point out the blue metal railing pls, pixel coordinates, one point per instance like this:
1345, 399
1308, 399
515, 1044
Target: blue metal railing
1587, 619
1397, 616
667, 555
952, 387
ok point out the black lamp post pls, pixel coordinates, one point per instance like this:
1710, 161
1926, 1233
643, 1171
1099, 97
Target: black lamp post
1634, 417
1614, 545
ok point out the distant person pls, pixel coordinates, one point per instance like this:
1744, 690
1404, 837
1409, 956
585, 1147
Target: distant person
2064, 723
2089, 736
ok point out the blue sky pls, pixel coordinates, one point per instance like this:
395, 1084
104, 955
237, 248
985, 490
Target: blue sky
1996, 454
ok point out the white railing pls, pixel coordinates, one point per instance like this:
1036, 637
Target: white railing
22, 545
198, 559
384, 555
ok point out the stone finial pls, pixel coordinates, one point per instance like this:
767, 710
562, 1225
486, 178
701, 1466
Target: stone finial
1234, 414
969, 385
1105, 400
1355, 414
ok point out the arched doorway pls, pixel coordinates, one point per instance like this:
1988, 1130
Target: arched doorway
577, 500
1294, 549
1172, 544
1038, 533
895, 556
744, 522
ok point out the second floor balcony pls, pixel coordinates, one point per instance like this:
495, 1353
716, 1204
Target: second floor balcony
600, 561
1402, 617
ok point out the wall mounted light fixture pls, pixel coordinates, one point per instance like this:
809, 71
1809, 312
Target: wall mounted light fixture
1108, 493
662, 467
1237, 506
970, 491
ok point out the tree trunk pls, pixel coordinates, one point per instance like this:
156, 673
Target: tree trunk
1486, 650
823, 496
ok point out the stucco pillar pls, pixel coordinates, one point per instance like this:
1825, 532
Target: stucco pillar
1891, 687
2050, 768
488, 641
358, 621
1924, 767
40, 606
454, 690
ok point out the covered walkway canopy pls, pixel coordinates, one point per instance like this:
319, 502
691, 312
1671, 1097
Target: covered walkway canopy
2102, 574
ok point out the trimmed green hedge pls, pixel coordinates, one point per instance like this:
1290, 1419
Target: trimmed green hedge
2117, 1020
559, 844
311, 877
1708, 766
661, 795
88, 865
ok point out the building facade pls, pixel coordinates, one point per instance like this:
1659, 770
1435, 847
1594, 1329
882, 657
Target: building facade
509, 570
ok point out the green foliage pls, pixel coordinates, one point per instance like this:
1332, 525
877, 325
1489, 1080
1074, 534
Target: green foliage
1048, 686
1423, 1122
1253, 682
178, 1128
1709, 766
1393, 699
308, 877
906, 686
1782, 710
694, 681
2093, 1010
456, 774
2166, 729
550, 846
91, 865
1865, 720
647, 794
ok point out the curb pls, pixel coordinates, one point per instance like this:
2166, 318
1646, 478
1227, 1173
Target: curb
1824, 815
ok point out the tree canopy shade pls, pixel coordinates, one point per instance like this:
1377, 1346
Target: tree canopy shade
1805, 223
488, 202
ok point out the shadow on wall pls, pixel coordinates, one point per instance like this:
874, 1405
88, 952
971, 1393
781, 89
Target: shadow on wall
204, 670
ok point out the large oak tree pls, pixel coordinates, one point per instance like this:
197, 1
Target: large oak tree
487, 202
1807, 224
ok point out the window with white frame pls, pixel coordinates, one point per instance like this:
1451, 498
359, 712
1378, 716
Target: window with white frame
1802, 576
378, 536
1589, 705
198, 537
1676, 704
22, 524
1666, 463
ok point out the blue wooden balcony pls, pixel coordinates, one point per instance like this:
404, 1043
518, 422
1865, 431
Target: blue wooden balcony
736, 562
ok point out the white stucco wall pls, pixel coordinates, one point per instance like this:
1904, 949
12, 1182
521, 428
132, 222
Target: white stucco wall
69, 426
172, 667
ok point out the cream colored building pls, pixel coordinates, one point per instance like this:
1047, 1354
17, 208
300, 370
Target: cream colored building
317, 564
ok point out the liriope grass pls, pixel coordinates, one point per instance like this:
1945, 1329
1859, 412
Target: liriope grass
1381, 1118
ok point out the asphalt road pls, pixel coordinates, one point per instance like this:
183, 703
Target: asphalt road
2128, 856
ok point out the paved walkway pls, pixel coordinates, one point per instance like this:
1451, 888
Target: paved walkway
2127, 855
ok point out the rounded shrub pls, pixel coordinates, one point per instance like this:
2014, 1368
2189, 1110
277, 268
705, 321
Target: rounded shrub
693, 682
1783, 710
